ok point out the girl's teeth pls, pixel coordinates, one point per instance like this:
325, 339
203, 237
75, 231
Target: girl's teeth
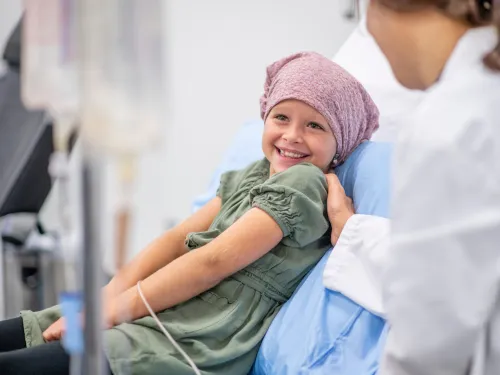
291, 154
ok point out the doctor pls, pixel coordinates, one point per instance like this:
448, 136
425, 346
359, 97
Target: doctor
441, 270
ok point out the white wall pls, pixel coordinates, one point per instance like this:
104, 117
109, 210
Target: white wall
217, 54
10, 11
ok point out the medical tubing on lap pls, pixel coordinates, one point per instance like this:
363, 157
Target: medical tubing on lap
165, 332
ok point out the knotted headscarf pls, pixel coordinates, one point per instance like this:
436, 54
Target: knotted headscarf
328, 88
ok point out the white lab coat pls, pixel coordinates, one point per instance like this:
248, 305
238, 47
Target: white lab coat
438, 280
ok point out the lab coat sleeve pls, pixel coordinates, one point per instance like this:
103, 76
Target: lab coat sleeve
356, 265
442, 278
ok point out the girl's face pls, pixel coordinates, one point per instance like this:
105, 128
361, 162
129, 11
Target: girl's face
294, 133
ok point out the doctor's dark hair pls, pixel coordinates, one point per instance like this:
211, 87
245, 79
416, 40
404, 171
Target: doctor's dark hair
474, 12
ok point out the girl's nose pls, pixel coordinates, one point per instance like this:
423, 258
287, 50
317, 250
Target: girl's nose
293, 134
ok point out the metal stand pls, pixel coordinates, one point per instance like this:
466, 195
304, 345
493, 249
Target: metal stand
93, 360
2, 281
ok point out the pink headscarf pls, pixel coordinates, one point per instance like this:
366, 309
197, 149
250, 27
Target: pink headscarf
328, 88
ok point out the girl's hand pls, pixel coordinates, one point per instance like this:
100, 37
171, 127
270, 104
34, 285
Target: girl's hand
56, 331
339, 206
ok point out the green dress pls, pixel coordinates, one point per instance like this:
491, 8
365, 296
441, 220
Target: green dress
221, 329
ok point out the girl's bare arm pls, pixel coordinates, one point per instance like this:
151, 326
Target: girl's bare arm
247, 240
162, 251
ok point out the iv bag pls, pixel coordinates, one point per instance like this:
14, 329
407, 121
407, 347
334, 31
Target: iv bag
123, 84
50, 65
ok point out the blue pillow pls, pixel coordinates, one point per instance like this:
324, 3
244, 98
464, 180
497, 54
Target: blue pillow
321, 332
365, 177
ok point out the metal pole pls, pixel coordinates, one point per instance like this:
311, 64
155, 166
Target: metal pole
93, 360
2, 280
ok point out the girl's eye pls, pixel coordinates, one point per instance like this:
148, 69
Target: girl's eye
316, 126
281, 118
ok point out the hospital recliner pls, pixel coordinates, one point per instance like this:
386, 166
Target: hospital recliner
25, 141
25, 149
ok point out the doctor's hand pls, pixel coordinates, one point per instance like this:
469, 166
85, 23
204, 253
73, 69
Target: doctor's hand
339, 206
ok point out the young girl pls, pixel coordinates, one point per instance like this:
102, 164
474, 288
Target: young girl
218, 279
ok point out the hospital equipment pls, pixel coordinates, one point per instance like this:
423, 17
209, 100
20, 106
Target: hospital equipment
25, 142
126, 78
50, 81
25, 149
27, 264
118, 57
123, 100
123, 90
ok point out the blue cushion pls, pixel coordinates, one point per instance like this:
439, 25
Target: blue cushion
320, 332
365, 177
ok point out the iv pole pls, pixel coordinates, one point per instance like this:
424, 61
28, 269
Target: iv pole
115, 101
93, 362
93, 359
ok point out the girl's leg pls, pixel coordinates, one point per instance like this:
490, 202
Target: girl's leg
12, 335
47, 359
16, 359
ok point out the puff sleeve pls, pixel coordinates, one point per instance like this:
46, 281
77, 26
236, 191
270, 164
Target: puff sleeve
241, 181
228, 184
296, 200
